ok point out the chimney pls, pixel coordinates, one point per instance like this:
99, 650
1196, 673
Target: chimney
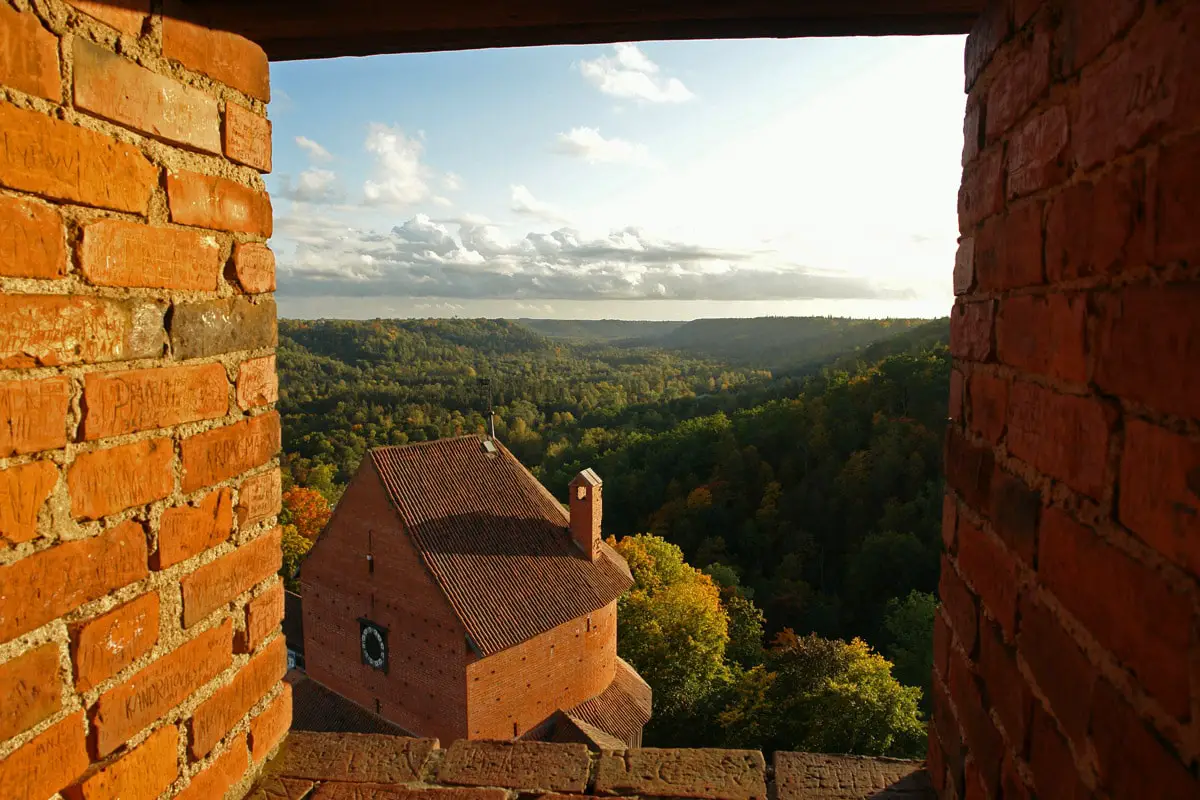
585, 512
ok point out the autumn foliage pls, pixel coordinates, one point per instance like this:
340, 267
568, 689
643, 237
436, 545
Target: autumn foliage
307, 509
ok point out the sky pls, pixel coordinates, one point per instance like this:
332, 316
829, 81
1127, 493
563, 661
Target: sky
656, 180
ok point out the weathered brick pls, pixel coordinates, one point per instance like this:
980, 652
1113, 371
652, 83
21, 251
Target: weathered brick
220, 581
991, 28
1061, 435
269, 727
263, 615
259, 497
1012, 785
972, 131
231, 59
1061, 669
247, 137
942, 642
143, 773
1088, 28
119, 253
1015, 509
104, 482
1023, 77
28, 55
187, 530
357, 757
31, 239
1127, 606
1004, 688
982, 190
957, 389
1045, 334
144, 399
1176, 198
960, 606
1145, 334
1037, 153
678, 772
989, 405
964, 266
1008, 249
50, 157
257, 383
24, 490
58, 330
102, 647
935, 761
379, 791
948, 733
971, 331
983, 740
48, 584
273, 787
1097, 228
1160, 492
990, 568
32, 690
217, 715
1132, 761
254, 265
222, 453
127, 17
207, 201
214, 327
969, 469
949, 521
46, 763
117, 89
146, 697
797, 775
215, 780
525, 765
1054, 771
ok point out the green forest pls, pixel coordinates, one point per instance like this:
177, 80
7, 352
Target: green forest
775, 484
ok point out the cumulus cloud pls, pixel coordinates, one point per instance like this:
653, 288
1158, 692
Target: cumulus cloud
629, 74
591, 146
425, 258
525, 204
452, 182
313, 185
315, 151
401, 178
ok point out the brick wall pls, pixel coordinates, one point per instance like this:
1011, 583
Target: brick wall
1067, 643
139, 652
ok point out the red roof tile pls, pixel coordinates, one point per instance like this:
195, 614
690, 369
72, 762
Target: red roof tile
495, 540
620, 710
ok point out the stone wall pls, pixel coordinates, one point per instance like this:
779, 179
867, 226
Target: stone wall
139, 606
1066, 648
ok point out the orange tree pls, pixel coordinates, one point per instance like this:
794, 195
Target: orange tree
307, 509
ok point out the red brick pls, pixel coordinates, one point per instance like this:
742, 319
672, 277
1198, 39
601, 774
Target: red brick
1024, 10
254, 265
1004, 688
971, 327
1176, 203
976, 790
220, 581
990, 568
143, 773
969, 469
1097, 228
1132, 761
32, 690
1054, 771
1008, 249
58, 330
1061, 435
146, 698
127, 17
247, 137
989, 405
144, 399
48, 584
935, 763
990, 30
119, 253
24, 490
942, 642
982, 190
31, 239
257, 383
1037, 153
225, 452
946, 725
1044, 334
210, 202
1160, 492
960, 606
697, 773
116, 89
269, 727
956, 395
1148, 341
46, 763
263, 615
1127, 606
217, 715
259, 497
1014, 512
982, 738
1061, 669
1088, 28
54, 158
104, 482
949, 521
972, 131
102, 647
215, 780
964, 266
226, 57
33, 415
28, 55
188, 530
1023, 78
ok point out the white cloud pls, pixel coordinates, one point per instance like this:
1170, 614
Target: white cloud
314, 185
452, 182
402, 179
590, 145
444, 202
629, 74
523, 202
315, 151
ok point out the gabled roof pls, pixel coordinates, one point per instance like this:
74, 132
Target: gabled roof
622, 709
495, 540
317, 709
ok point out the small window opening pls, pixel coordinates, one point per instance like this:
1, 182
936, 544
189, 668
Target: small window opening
378, 706
516, 733
589, 623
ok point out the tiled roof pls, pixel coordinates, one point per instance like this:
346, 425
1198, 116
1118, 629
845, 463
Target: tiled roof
320, 710
622, 709
495, 540
591, 735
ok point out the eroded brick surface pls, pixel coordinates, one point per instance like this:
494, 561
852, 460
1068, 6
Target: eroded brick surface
713, 774
814, 776
362, 757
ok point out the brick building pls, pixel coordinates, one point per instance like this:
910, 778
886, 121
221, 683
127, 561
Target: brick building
452, 595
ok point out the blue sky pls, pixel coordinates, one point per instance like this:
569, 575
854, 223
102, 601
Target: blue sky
662, 180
